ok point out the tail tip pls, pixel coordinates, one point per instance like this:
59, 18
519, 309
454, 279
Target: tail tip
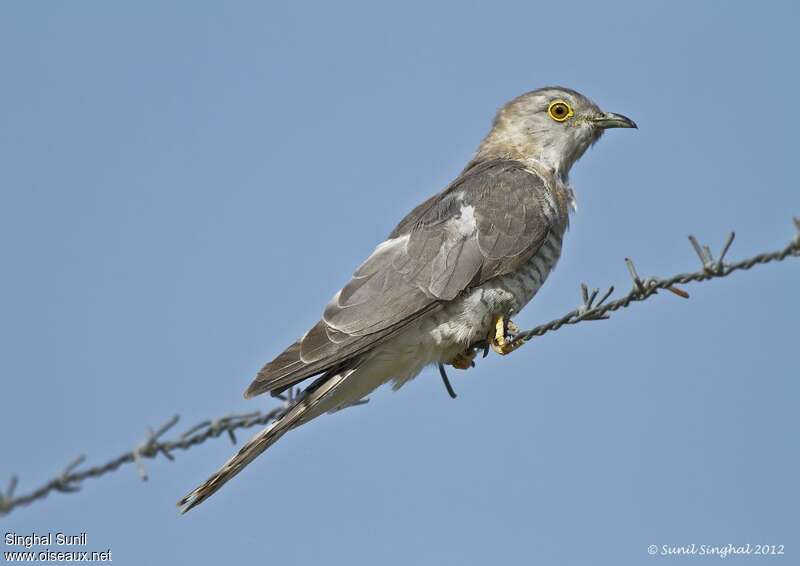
188, 502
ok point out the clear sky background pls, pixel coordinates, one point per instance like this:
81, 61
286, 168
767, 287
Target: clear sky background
184, 185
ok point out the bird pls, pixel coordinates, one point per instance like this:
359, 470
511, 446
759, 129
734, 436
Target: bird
449, 277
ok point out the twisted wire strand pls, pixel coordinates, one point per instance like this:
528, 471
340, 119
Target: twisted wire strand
70, 479
643, 290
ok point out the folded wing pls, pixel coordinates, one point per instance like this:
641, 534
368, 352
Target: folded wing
487, 223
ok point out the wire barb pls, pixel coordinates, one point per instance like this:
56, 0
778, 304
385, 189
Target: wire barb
7, 497
637, 282
12, 487
644, 290
711, 266
726, 246
150, 447
796, 239
588, 303
70, 479
64, 481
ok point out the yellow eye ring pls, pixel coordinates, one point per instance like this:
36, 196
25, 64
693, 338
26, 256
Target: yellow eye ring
560, 111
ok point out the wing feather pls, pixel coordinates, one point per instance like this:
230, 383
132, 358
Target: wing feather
487, 223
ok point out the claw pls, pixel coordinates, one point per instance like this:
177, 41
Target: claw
481, 346
464, 360
501, 336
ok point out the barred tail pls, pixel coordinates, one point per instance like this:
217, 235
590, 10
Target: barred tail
303, 410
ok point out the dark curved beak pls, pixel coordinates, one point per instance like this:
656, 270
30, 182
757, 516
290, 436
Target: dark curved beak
611, 120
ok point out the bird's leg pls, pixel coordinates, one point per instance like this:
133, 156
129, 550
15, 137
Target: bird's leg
501, 336
464, 360
501, 340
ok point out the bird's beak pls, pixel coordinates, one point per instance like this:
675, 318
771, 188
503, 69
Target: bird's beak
611, 120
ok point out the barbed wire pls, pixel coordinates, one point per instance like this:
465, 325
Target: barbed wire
644, 289
70, 479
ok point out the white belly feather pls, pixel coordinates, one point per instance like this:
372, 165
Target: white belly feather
443, 334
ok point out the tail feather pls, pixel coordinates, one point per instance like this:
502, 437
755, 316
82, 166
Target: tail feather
261, 441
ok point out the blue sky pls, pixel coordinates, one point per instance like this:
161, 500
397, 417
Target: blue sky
185, 185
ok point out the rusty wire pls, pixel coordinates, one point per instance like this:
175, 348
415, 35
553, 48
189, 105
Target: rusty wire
69, 480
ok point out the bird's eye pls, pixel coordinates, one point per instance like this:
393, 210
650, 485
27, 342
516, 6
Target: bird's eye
559, 110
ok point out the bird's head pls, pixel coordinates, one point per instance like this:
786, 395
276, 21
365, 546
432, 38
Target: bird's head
551, 126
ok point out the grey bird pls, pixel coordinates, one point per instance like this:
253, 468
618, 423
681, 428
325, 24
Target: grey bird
449, 276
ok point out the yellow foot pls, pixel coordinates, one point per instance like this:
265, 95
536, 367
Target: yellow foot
501, 336
463, 360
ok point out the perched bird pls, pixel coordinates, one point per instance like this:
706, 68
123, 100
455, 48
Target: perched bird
449, 276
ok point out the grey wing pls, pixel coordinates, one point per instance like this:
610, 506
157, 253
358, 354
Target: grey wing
487, 223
